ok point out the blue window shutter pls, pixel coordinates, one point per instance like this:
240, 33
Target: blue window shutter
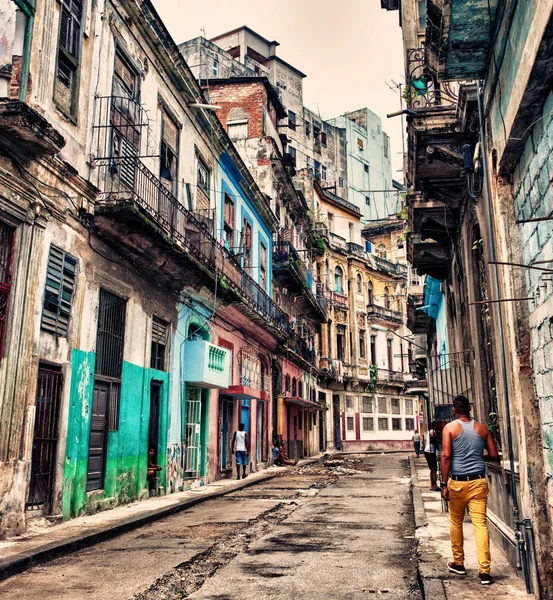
58, 295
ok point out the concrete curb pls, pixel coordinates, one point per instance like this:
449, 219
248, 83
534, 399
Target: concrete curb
432, 587
48, 551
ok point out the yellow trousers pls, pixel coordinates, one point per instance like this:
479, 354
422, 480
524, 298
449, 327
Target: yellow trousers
473, 494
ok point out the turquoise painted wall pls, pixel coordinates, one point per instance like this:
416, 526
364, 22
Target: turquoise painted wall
127, 448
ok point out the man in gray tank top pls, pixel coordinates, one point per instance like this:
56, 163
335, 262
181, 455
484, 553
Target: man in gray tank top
463, 463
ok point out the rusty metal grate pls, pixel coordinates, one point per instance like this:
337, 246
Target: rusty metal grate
45, 439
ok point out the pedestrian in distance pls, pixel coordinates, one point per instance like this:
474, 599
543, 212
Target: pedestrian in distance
283, 457
463, 462
417, 443
240, 445
276, 455
430, 448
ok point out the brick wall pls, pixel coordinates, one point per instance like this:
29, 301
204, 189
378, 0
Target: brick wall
250, 97
534, 198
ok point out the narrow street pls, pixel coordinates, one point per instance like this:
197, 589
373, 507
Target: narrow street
342, 531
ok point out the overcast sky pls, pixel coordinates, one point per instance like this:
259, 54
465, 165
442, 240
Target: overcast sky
348, 49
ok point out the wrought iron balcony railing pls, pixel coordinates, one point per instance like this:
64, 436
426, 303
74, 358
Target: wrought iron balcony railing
302, 348
391, 376
129, 181
387, 314
392, 268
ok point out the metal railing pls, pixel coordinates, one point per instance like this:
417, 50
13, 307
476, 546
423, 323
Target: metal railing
393, 376
129, 181
396, 269
374, 310
356, 249
301, 347
337, 241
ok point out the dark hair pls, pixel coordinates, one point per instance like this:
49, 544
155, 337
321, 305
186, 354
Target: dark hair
241, 427
461, 404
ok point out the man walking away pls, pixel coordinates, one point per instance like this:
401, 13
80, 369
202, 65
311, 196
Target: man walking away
430, 455
463, 444
240, 444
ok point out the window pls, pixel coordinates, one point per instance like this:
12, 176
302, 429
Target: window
366, 167
263, 266
422, 13
294, 387
400, 243
317, 169
350, 229
371, 295
287, 384
6, 249
378, 129
331, 222
247, 244
382, 405
383, 424
203, 176
341, 342
300, 420
368, 424
362, 343
215, 69
349, 402
410, 424
381, 251
414, 277
386, 148
341, 182
58, 295
396, 424
307, 128
69, 48
396, 406
350, 423
316, 134
323, 172
360, 144
367, 404
293, 155
323, 139
390, 355
238, 130
386, 298
373, 349
168, 164
159, 343
228, 226
408, 406
300, 389
109, 349
338, 280
368, 200
359, 284
292, 120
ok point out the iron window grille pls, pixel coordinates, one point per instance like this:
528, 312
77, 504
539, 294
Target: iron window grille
382, 405
396, 406
368, 424
350, 423
159, 343
292, 120
367, 404
396, 424
58, 296
109, 349
410, 424
383, 424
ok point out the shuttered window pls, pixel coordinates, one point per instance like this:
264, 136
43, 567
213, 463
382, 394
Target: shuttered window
58, 296
159, 344
6, 248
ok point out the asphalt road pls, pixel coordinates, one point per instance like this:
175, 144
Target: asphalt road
313, 532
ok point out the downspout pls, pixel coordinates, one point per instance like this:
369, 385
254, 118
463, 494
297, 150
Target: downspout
522, 561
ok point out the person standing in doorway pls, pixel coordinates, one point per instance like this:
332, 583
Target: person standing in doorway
417, 443
463, 462
430, 455
240, 445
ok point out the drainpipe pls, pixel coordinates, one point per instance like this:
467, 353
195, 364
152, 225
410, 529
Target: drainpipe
522, 561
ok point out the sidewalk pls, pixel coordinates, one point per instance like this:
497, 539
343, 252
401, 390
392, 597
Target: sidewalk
42, 542
432, 534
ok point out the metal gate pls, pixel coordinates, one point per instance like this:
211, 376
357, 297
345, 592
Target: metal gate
193, 432
45, 439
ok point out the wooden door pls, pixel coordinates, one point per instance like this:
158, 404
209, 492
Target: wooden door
98, 437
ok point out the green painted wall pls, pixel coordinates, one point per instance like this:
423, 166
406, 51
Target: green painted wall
127, 448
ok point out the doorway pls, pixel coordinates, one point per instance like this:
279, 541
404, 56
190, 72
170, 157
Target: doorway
153, 431
336, 419
98, 437
225, 432
193, 432
45, 438
260, 432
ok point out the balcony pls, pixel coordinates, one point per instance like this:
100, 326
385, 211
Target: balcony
291, 271
139, 215
207, 365
384, 315
302, 349
417, 319
433, 219
356, 250
25, 133
254, 383
394, 378
337, 242
390, 268
428, 257
340, 300
337, 200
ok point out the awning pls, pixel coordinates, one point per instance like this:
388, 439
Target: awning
302, 402
245, 392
